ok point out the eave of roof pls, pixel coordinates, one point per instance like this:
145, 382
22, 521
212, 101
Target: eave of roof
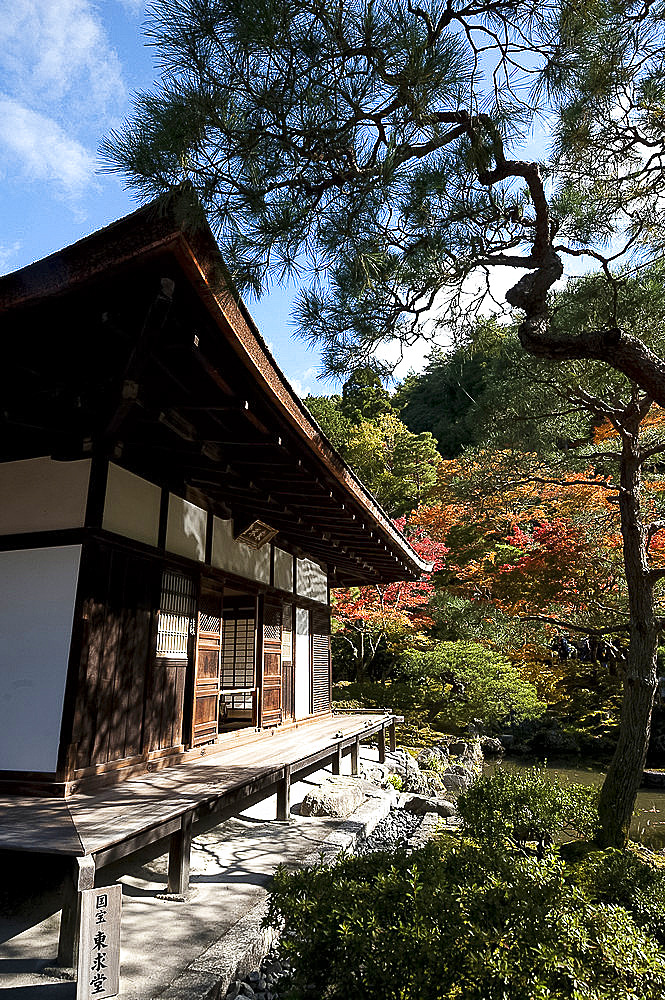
154, 228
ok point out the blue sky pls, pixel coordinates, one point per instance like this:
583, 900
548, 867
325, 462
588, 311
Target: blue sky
67, 72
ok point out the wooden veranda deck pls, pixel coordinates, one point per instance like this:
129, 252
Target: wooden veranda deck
96, 828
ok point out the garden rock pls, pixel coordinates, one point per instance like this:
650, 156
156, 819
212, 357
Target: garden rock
420, 805
491, 746
434, 782
467, 752
433, 756
337, 797
378, 773
456, 782
416, 781
392, 832
401, 762
427, 830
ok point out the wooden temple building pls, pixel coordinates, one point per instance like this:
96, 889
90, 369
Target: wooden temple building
171, 522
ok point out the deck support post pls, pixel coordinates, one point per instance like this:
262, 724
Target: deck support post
284, 795
382, 745
355, 756
180, 849
81, 876
337, 760
392, 732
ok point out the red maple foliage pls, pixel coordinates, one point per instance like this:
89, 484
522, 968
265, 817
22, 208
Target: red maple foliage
393, 614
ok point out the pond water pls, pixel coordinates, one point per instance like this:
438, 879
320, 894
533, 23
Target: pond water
648, 826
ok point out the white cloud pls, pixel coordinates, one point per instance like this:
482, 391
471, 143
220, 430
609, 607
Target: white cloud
6, 254
303, 384
43, 149
134, 7
299, 388
53, 51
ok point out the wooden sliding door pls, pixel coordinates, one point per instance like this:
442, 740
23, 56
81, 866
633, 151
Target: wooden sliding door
321, 673
271, 690
208, 664
288, 664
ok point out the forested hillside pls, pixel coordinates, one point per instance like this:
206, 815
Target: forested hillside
505, 473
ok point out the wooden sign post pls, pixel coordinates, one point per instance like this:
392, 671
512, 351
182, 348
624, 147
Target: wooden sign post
99, 943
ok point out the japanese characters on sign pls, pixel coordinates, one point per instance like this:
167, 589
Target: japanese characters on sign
99, 943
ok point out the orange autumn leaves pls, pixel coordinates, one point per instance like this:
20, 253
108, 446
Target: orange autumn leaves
525, 538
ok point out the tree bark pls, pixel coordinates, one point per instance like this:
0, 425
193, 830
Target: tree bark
619, 791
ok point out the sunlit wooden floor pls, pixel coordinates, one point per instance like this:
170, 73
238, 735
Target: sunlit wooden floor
91, 823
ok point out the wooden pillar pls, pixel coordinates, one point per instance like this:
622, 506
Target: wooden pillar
81, 876
382, 745
355, 756
392, 731
180, 849
258, 659
284, 795
337, 760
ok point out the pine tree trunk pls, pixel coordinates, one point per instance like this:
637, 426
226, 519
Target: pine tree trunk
619, 791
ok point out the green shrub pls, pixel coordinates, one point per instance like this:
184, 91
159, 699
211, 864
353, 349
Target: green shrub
527, 805
396, 782
449, 687
613, 876
457, 920
458, 682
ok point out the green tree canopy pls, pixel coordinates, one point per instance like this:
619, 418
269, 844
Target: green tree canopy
327, 411
364, 396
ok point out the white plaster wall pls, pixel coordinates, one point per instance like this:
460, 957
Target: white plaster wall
39, 494
283, 570
131, 506
236, 557
186, 529
303, 664
38, 589
311, 581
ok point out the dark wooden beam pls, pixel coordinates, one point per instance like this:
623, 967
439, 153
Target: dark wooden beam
230, 404
222, 384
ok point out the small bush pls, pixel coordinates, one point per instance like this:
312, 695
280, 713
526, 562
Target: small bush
459, 682
613, 876
396, 782
527, 806
457, 920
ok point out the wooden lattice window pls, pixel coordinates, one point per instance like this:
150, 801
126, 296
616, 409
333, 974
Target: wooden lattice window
238, 655
287, 634
272, 623
176, 616
209, 623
